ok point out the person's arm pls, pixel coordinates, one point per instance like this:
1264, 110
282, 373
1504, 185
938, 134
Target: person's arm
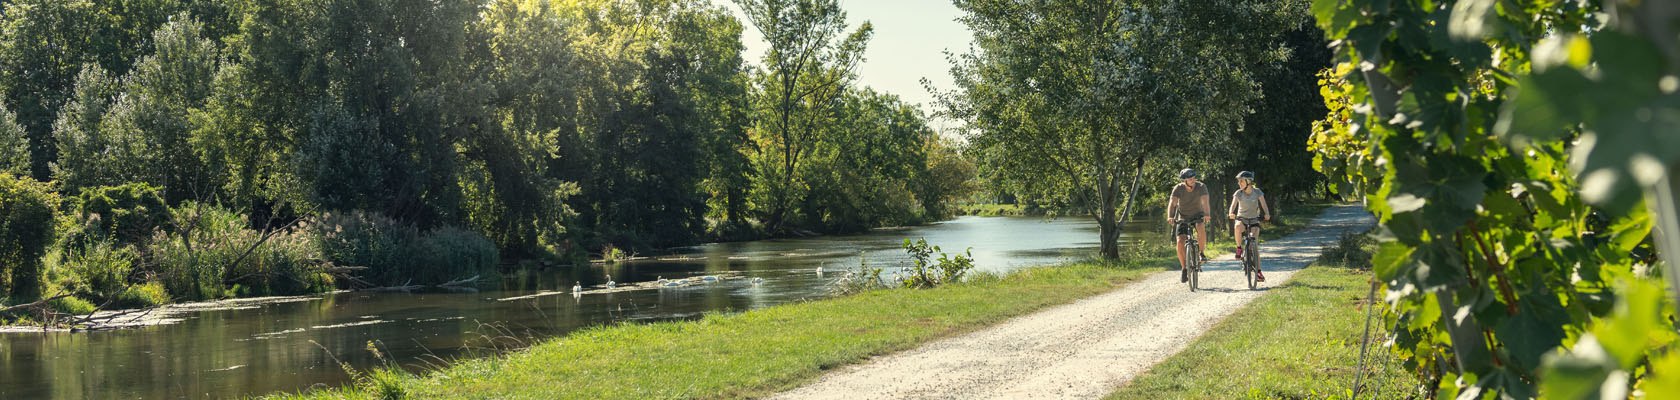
1267, 211
1206, 216
1172, 206
1231, 212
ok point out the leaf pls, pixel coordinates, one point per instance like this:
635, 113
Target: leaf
1586, 371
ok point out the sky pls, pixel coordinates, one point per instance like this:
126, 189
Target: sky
911, 38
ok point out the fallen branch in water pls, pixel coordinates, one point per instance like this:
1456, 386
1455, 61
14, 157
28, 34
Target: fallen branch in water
461, 282
38, 304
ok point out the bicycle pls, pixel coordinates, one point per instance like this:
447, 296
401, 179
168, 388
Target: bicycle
1186, 230
1251, 250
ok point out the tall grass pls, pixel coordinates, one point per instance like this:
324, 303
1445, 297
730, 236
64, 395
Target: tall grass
397, 253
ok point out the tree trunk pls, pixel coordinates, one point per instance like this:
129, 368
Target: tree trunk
1108, 223
1131, 197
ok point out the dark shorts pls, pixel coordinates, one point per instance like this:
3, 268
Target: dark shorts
1187, 223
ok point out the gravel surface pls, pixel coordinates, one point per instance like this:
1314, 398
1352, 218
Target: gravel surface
1085, 349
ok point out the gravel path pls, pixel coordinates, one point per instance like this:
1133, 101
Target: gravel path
1084, 349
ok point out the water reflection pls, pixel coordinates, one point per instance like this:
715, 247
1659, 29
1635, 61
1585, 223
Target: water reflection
293, 346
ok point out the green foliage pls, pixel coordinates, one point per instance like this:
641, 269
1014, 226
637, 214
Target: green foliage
807, 68
927, 272
396, 253
1351, 250
71, 305
86, 155
14, 144
149, 294
1132, 87
103, 265
27, 229
1461, 124
129, 212
210, 254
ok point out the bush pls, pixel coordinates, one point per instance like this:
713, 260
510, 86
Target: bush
450, 253
71, 305
149, 294
102, 268
128, 212
396, 253
1352, 250
27, 216
927, 273
211, 255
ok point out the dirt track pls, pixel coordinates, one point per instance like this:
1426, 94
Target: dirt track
1085, 349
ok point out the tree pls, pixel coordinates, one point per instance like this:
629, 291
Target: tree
153, 112
1273, 142
1077, 96
87, 156
805, 70
14, 145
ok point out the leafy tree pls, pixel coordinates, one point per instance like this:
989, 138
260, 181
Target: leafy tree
27, 213
1273, 141
1073, 98
153, 112
14, 145
87, 156
806, 68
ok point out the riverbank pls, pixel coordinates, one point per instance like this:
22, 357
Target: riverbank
756, 352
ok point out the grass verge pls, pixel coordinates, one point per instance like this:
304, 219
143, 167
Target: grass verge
756, 352
1300, 341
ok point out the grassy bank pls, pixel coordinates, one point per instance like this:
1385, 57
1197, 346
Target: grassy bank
1301, 340
755, 352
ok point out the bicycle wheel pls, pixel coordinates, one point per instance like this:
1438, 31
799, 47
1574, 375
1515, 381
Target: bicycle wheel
1250, 263
1193, 256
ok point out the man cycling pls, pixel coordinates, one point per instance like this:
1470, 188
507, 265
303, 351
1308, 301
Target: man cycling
1189, 202
1247, 205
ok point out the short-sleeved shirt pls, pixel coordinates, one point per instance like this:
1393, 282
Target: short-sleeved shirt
1190, 199
1248, 204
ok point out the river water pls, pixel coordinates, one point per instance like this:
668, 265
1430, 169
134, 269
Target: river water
296, 345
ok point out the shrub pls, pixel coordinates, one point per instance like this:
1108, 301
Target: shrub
128, 212
450, 253
211, 249
101, 267
927, 272
396, 253
149, 294
368, 239
27, 217
1351, 250
71, 305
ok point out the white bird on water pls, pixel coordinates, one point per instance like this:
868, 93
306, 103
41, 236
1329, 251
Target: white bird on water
577, 288
757, 281
709, 278
819, 271
610, 283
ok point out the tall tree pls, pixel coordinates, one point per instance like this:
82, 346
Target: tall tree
153, 112
88, 157
14, 145
1079, 95
806, 68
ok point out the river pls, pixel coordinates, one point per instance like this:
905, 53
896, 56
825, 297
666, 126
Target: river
296, 345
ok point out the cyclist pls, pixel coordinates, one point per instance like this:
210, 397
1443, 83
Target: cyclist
1189, 202
1248, 204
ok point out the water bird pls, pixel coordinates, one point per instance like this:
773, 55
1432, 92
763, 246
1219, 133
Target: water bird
577, 288
819, 271
672, 283
709, 278
757, 281
610, 283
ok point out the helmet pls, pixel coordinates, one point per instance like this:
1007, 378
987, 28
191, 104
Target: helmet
1249, 175
1187, 174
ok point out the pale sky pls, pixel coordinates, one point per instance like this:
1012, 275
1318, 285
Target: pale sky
911, 38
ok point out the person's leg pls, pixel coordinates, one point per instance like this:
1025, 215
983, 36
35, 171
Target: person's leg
1259, 276
1183, 273
1201, 237
1237, 235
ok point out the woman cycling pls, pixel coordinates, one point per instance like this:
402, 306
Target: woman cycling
1248, 203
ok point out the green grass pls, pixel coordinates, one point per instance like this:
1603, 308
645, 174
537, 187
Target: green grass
1301, 340
762, 351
